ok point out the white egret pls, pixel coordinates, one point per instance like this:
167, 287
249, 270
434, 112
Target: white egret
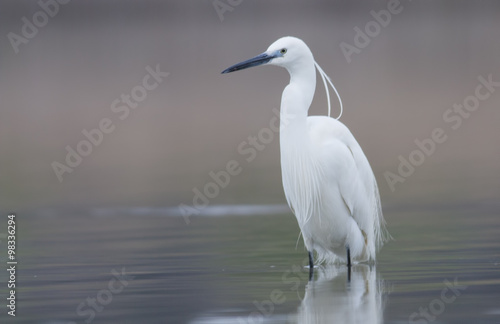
328, 181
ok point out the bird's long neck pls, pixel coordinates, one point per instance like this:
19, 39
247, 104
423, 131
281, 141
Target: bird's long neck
296, 100
299, 166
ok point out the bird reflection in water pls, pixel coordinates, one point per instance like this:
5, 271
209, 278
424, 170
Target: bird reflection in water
333, 298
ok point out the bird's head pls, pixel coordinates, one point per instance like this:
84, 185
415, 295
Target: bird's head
294, 55
285, 52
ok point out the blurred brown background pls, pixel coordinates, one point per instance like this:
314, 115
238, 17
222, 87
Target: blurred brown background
65, 78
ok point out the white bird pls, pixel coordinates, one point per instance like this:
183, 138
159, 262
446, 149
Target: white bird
327, 179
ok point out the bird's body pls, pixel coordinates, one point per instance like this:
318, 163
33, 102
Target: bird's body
327, 179
324, 185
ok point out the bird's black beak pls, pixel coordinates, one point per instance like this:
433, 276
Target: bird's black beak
258, 60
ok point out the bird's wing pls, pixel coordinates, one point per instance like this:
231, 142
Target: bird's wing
351, 172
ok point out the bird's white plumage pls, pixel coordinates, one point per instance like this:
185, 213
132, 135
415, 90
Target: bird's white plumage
327, 179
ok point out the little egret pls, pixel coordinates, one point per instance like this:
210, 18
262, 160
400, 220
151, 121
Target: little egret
328, 182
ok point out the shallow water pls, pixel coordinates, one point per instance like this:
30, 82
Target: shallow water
110, 266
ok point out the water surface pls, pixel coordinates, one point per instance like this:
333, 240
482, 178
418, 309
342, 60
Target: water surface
442, 267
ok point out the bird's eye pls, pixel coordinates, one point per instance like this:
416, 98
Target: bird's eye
283, 50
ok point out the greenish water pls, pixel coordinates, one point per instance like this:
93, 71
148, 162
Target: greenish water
118, 267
